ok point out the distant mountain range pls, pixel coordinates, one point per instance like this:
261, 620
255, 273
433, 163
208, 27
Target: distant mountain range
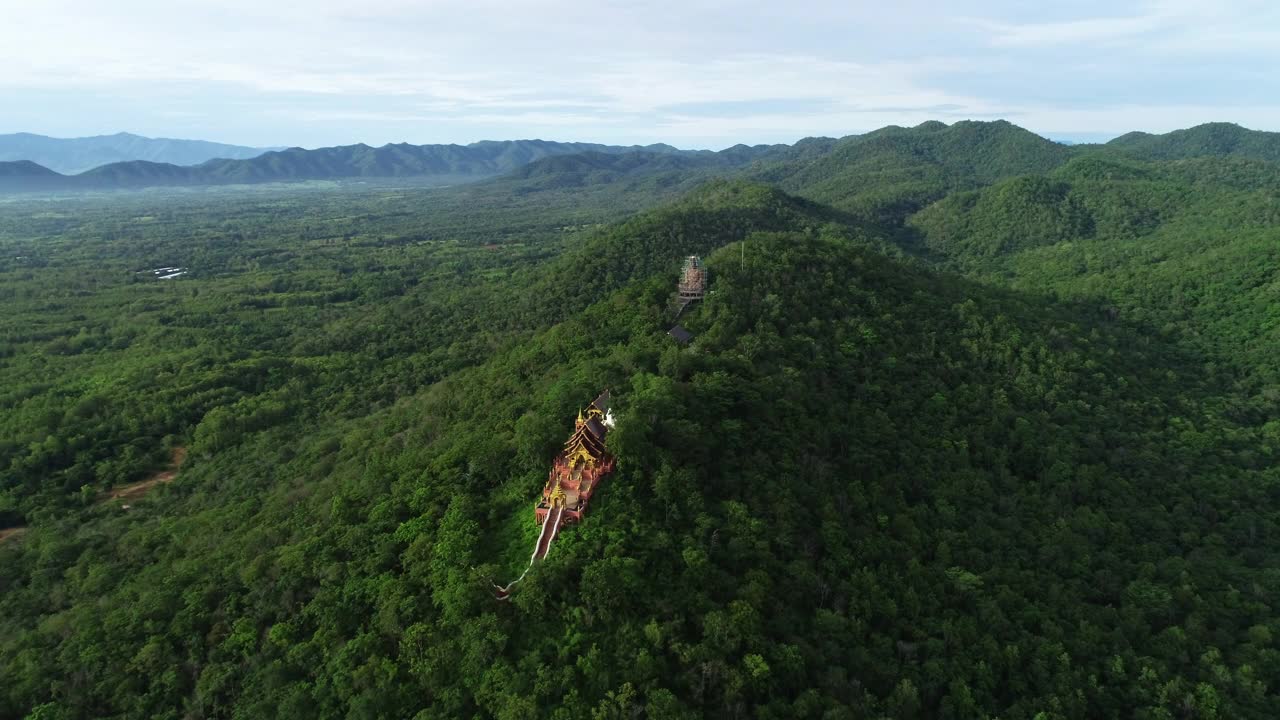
928, 158
76, 155
889, 172
474, 161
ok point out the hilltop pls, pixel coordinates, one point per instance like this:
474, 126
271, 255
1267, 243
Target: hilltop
885, 172
1209, 139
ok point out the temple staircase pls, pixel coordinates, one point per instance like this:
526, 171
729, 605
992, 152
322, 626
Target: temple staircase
550, 529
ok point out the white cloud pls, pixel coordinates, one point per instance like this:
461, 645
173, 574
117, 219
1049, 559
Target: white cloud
428, 70
1223, 26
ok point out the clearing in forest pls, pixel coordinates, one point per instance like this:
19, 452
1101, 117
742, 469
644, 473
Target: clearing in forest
135, 491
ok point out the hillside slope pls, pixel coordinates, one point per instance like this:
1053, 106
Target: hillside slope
642, 176
1190, 246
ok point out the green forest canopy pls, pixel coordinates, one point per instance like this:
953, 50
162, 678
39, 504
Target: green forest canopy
972, 425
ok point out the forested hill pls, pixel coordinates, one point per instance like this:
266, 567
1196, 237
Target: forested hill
25, 169
1190, 246
597, 168
449, 162
29, 176
887, 172
1210, 139
713, 215
997, 435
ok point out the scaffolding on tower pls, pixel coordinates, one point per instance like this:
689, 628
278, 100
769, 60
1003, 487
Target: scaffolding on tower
693, 283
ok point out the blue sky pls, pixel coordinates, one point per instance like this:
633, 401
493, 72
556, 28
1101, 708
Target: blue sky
695, 73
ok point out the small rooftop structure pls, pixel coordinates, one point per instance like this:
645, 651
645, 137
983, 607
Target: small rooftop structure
681, 335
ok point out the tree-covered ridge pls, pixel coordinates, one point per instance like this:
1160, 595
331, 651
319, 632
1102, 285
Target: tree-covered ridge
885, 173
1191, 247
642, 172
1209, 139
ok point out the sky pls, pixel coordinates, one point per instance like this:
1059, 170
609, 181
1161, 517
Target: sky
693, 73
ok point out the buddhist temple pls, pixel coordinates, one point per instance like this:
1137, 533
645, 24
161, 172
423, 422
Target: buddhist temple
578, 468
575, 474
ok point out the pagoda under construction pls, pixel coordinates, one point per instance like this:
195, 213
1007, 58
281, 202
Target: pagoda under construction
693, 282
